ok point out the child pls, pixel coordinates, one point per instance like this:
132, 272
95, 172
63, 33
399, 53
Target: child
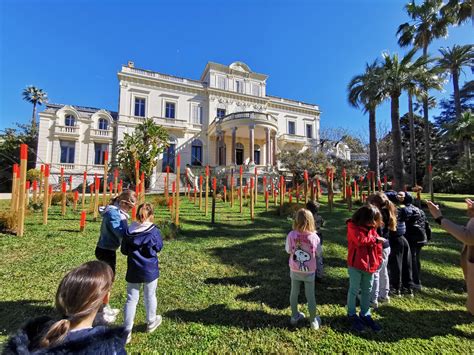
381, 284
319, 222
363, 259
113, 227
141, 244
79, 296
302, 245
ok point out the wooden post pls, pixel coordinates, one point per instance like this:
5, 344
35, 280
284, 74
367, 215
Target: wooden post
311, 189
349, 197
40, 187
189, 192
142, 187
256, 187
206, 197
195, 194
120, 187
232, 187
318, 189
82, 223
385, 182
13, 200
137, 173
35, 192
134, 213
173, 198
70, 183
344, 183
22, 189
50, 193
62, 176
115, 182
167, 181
225, 194
27, 192
106, 172
290, 196
84, 183
266, 199
96, 198
305, 176
46, 194
252, 197
282, 181
91, 199
76, 198
379, 184
200, 192
63, 198
178, 169
213, 206
240, 189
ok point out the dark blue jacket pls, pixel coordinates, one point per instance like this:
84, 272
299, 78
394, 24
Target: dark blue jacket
97, 340
141, 244
113, 227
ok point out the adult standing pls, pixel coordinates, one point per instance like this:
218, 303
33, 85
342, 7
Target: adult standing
466, 236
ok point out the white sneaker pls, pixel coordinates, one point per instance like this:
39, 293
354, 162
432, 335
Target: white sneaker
374, 304
153, 325
129, 338
316, 323
295, 320
384, 299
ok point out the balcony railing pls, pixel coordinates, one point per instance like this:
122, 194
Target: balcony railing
172, 122
293, 138
67, 130
102, 133
165, 77
252, 115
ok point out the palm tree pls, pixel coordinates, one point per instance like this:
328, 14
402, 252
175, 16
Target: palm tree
453, 60
365, 90
457, 12
397, 76
36, 96
427, 24
463, 129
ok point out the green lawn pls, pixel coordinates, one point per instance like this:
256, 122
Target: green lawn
225, 287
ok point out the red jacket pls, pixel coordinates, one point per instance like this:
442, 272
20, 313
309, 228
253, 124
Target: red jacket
364, 252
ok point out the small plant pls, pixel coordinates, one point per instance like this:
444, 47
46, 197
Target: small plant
160, 201
167, 229
58, 198
8, 222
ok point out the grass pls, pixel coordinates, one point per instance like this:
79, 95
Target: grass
225, 287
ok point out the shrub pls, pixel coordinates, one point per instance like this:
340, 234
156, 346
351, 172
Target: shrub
8, 222
58, 197
168, 229
160, 201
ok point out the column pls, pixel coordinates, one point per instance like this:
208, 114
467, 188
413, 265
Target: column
267, 147
234, 133
252, 142
274, 152
217, 147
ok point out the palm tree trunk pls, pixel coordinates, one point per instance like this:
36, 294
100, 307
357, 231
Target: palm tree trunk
398, 171
374, 150
412, 140
467, 152
427, 180
33, 118
457, 96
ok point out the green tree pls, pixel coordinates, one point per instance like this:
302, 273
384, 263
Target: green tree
397, 77
364, 90
453, 60
35, 96
463, 129
457, 12
145, 144
427, 23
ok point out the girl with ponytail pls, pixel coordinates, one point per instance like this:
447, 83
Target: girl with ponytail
80, 295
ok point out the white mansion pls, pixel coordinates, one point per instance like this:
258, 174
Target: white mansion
224, 119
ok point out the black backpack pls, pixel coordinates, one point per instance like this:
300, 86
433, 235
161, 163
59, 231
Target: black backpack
418, 228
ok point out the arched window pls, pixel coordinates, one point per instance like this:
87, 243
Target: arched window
256, 154
70, 121
103, 124
239, 153
196, 152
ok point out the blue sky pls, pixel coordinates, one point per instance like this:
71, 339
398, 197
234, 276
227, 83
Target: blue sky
310, 49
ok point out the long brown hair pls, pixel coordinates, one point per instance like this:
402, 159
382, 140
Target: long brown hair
80, 293
368, 215
304, 221
380, 200
127, 196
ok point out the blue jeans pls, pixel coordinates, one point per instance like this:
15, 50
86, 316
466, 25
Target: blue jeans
359, 281
133, 295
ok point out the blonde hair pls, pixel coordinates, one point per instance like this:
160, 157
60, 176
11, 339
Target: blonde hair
304, 221
145, 211
80, 293
381, 201
127, 196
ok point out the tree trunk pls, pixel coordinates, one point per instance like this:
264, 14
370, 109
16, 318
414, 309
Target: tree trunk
412, 140
33, 118
457, 96
426, 180
467, 153
398, 171
374, 150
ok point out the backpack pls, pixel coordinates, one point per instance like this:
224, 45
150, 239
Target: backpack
303, 254
418, 228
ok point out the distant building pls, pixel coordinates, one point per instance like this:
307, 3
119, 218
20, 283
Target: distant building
225, 118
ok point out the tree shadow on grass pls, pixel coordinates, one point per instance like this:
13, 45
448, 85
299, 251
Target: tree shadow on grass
221, 315
13, 314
